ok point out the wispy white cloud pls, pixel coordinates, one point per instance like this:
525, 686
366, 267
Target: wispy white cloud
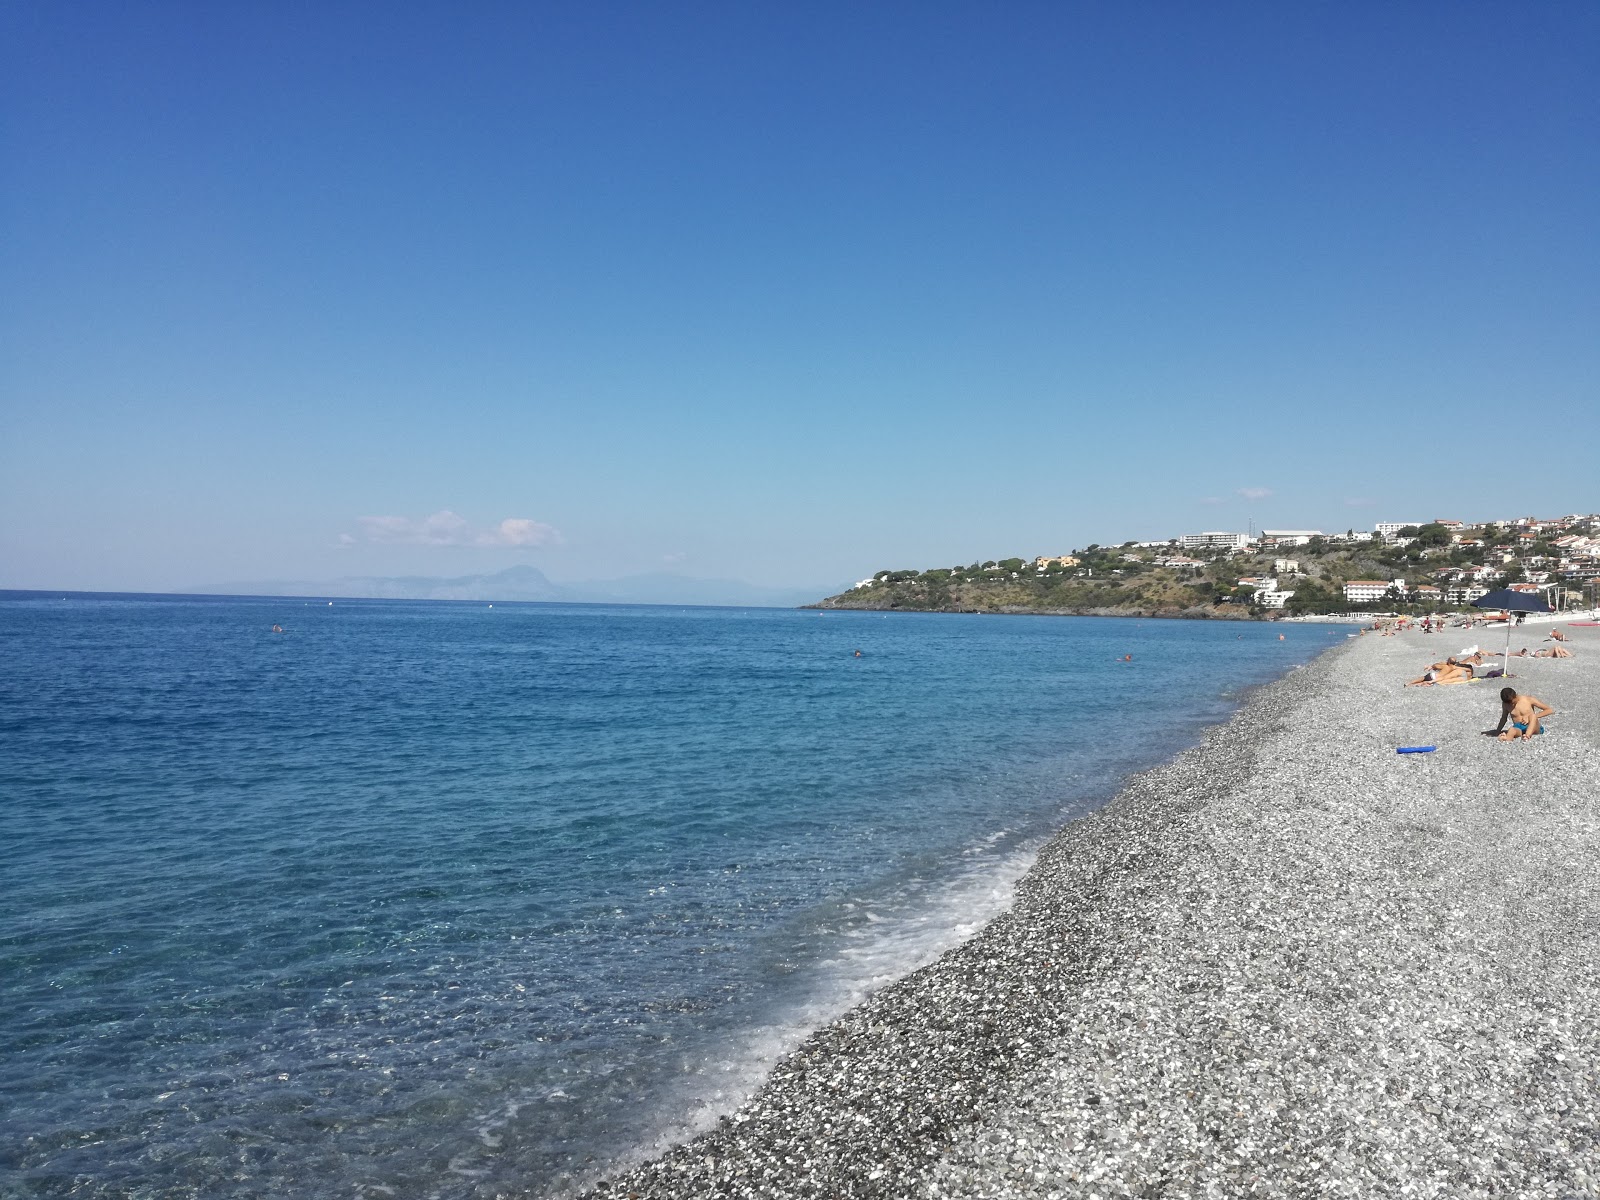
1255, 493
520, 531
445, 528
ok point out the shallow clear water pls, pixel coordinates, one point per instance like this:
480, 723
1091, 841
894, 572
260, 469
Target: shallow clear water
445, 900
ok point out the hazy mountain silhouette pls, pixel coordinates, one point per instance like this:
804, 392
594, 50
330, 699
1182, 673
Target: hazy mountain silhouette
530, 583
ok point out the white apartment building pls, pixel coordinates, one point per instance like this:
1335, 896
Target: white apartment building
1214, 541
1464, 593
1286, 566
1370, 591
1273, 599
1290, 537
1387, 529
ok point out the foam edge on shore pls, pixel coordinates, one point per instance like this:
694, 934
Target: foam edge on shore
869, 1104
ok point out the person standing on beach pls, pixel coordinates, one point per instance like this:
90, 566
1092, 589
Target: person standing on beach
1524, 713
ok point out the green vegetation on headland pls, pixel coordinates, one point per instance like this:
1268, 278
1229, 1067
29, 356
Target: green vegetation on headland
1102, 586
1431, 568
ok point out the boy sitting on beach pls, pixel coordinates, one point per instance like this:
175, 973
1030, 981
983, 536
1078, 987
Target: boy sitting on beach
1524, 713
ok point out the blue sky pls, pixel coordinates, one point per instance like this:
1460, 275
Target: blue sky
779, 293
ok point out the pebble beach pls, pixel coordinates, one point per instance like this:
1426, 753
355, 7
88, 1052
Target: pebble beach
1291, 962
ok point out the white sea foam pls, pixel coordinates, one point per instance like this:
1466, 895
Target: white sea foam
893, 936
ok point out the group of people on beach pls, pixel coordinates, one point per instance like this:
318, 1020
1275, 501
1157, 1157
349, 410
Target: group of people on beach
1463, 668
1453, 670
1522, 711
1556, 651
1393, 626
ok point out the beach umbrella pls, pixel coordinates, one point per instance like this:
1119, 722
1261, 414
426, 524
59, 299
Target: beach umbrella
1512, 601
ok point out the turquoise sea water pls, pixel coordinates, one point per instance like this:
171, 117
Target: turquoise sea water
448, 900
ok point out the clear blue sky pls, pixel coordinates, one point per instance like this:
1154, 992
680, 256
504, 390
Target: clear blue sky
785, 293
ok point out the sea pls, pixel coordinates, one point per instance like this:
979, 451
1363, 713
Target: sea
423, 899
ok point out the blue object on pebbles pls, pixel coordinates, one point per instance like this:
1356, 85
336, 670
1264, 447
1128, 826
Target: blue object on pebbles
1416, 749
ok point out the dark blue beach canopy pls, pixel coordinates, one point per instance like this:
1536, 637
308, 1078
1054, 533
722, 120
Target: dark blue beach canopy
1513, 601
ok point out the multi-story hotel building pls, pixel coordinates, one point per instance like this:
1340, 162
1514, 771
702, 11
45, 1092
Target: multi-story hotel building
1369, 591
1214, 541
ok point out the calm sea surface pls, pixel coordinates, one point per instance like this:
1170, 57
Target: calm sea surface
449, 900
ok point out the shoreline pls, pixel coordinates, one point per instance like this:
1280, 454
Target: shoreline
1165, 614
678, 1129
770, 1123
1193, 982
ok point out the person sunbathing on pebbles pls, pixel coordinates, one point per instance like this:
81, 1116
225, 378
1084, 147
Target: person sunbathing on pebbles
1524, 713
1442, 673
1548, 652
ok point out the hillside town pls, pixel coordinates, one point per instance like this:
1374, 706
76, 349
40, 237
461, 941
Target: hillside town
1397, 566
1451, 563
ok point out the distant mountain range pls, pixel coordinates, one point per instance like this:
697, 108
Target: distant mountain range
529, 583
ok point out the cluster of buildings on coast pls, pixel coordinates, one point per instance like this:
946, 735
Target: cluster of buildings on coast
1568, 562
1557, 557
